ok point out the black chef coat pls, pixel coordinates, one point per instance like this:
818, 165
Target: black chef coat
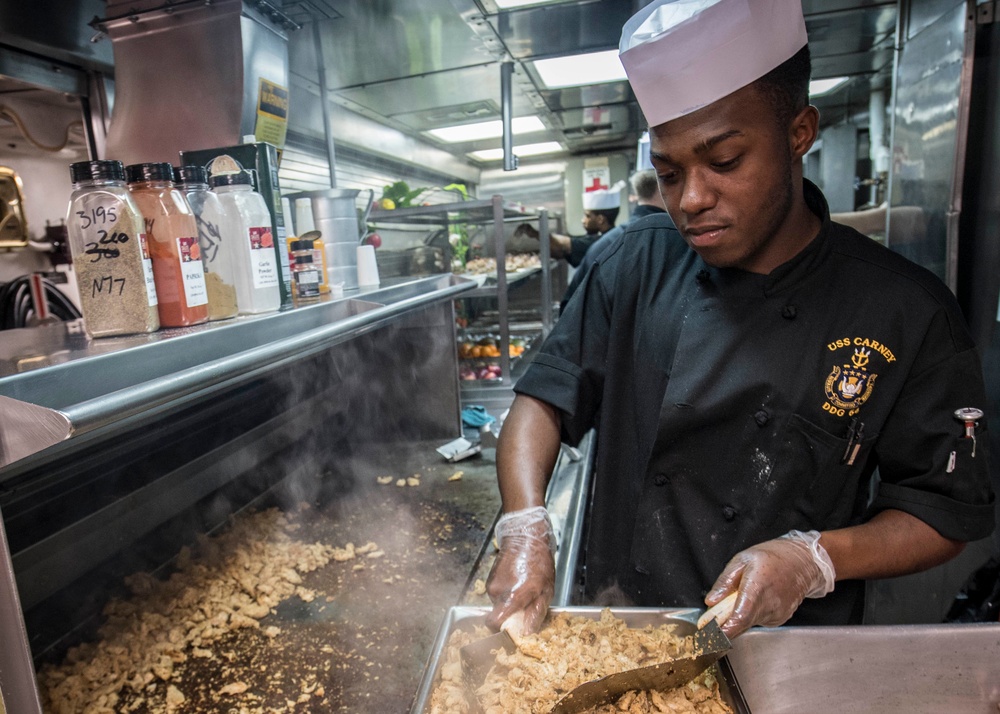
578, 247
598, 246
724, 401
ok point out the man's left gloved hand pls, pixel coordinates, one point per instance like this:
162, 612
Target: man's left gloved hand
772, 579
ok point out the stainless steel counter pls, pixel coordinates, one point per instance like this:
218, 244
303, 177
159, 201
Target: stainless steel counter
903, 669
56, 384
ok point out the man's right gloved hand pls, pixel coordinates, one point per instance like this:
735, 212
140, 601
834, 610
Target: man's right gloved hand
524, 573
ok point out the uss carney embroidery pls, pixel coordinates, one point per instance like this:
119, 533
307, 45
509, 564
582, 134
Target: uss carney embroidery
849, 385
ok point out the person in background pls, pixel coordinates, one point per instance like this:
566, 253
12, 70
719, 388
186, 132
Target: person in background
747, 370
649, 202
601, 208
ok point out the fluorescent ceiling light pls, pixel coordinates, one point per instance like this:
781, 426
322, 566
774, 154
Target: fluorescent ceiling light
511, 4
579, 70
819, 87
486, 129
546, 147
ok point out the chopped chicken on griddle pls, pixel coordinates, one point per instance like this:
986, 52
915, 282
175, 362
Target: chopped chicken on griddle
236, 581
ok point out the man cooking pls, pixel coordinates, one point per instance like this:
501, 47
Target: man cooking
747, 371
600, 211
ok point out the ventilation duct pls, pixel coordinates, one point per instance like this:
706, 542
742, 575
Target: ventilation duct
188, 75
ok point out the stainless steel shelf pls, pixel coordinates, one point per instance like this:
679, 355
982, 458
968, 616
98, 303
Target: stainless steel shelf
55, 384
514, 280
495, 211
443, 213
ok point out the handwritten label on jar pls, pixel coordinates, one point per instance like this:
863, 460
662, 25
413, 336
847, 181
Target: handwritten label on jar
209, 238
262, 257
108, 244
111, 263
192, 272
147, 270
97, 215
108, 278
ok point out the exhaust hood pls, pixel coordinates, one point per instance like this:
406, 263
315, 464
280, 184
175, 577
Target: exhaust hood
194, 75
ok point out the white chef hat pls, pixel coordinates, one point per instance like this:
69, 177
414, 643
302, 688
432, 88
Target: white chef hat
682, 55
603, 199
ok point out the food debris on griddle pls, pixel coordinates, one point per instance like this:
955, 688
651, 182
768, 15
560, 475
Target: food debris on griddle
359, 645
150, 640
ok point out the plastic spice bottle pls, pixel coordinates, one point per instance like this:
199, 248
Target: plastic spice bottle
305, 273
216, 254
248, 230
173, 242
111, 259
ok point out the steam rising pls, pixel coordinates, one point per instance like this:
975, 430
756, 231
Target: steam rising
321, 431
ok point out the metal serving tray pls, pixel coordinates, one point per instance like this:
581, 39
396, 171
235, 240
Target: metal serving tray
462, 616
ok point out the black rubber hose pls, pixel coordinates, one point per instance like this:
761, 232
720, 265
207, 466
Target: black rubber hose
16, 306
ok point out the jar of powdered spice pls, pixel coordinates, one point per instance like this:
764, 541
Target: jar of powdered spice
249, 232
173, 241
215, 251
111, 257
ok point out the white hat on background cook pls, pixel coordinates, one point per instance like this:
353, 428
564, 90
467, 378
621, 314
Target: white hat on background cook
682, 55
603, 199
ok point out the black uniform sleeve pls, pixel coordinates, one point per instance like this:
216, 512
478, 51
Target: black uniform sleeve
927, 468
569, 370
593, 252
574, 284
578, 248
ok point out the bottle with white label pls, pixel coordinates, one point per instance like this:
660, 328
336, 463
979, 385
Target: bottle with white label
111, 258
211, 217
173, 242
248, 231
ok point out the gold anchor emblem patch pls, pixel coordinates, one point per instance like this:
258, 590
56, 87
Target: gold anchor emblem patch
848, 387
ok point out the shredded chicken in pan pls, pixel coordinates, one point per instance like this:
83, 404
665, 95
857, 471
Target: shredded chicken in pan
569, 651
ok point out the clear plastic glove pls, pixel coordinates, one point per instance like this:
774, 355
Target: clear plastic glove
524, 573
772, 579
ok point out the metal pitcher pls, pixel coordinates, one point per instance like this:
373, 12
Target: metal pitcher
333, 212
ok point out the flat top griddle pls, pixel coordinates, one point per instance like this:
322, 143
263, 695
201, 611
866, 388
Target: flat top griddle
362, 642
